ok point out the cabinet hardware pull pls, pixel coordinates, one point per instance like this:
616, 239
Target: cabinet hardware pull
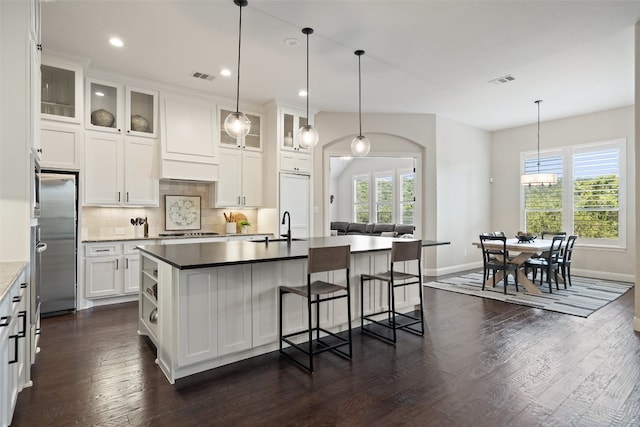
23, 285
127, 197
23, 314
117, 264
39, 150
244, 200
238, 199
15, 348
17, 298
39, 47
126, 263
6, 320
102, 250
118, 196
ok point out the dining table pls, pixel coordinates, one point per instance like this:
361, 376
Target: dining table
526, 250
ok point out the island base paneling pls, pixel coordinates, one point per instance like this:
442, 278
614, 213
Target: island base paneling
214, 316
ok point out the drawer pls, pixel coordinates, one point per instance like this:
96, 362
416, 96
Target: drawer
130, 248
103, 250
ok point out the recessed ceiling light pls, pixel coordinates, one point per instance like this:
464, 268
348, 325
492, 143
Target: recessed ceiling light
225, 72
98, 93
115, 41
292, 42
302, 93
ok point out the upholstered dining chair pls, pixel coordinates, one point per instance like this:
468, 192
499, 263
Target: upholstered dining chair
497, 259
549, 264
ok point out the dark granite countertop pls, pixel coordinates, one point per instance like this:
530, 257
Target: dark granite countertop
154, 237
203, 255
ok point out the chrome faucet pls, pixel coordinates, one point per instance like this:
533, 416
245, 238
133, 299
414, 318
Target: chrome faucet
287, 215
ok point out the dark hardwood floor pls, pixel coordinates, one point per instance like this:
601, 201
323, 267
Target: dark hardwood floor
481, 363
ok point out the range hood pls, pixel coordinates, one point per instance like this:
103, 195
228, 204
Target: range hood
188, 171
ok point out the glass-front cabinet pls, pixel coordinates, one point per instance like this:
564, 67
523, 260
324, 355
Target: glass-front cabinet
103, 106
290, 123
61, 90
142, 112
253, 141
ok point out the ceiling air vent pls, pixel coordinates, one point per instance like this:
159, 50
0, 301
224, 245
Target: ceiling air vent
203, 76
502, 80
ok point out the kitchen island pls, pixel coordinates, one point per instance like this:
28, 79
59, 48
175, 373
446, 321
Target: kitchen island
205, 305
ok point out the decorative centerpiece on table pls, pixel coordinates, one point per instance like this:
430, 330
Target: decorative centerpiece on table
524, 237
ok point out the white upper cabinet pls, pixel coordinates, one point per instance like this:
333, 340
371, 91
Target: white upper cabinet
141, 112
61, 146
253, 141
61, 90
104, 106
120, 171
241, 182
289, 121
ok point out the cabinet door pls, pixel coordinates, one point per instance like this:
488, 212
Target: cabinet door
252, 179
34, 98
229, 186
131, 273
61, 147
103, 170
295, 162
142, 186
141, 112
265, 302
295, 198
234, 308
104, 106
197, 316
61, 90
103, 276
294, 310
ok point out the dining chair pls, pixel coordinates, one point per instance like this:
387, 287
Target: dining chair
320, 260
496, 258
565, 260
402, 251
549, 264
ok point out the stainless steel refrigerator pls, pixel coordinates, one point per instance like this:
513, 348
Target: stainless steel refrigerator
58, 229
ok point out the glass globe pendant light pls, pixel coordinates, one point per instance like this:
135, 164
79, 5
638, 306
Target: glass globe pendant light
237, 125
360, 145
307, 134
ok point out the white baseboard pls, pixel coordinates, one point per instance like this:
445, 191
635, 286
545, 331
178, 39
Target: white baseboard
453, 269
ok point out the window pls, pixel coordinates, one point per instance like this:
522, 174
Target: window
586, 201
407, 197
361, 198
384, 198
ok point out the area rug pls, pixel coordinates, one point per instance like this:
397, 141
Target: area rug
582, 299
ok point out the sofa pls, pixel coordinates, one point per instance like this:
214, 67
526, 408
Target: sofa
343, 228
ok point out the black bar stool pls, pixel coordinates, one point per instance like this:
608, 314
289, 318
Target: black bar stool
320, 260
401, 251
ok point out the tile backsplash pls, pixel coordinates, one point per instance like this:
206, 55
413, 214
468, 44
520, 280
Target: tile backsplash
101, 222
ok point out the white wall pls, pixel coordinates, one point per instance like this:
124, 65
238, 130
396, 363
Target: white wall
434, 140
505, 190
14, 143
463, 192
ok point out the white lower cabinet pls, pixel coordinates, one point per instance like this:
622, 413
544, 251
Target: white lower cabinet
209, 317
214, 313
15, 357
111, 269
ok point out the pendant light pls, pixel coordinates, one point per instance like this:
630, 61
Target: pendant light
539, 178
307, 134
360, 145
237, 125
